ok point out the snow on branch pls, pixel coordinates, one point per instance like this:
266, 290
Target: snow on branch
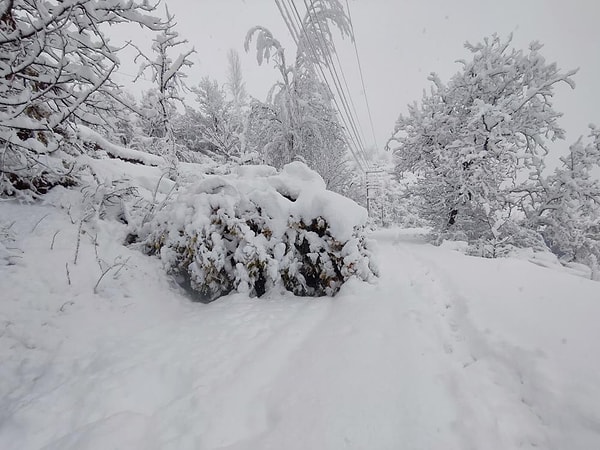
88, 135
56, 67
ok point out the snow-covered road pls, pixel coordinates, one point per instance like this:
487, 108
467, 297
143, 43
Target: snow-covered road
440, 354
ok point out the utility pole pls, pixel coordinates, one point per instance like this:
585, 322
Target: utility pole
372, 184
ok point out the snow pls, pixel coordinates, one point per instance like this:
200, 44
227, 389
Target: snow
445, 351
312, 200
88, 135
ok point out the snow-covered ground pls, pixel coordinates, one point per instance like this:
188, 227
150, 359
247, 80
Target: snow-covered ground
444, 351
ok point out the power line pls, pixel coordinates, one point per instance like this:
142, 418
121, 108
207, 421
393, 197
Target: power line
349, 122
360, 128
362, 80
356, 151
350, 139
335, 76
333, 71
131, 76
288, 22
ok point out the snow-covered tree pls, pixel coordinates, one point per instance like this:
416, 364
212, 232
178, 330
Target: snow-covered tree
55, 69
235, 82
236, 89
475, 139
567, 203
167, 75
391, 202
298, 119
121, 118
150, 121
312, 134
150, 133
216, 121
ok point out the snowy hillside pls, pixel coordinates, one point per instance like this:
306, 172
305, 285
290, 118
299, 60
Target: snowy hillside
444, 351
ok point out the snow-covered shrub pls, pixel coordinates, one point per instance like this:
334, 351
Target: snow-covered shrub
316, 263
255, 229
510, 238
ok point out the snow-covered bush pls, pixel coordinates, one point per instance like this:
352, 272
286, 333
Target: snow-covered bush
255, 229
512, 236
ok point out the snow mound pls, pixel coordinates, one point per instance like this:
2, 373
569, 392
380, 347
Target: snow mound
255, 229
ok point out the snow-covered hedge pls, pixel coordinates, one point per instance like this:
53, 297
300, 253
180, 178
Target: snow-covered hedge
255, 229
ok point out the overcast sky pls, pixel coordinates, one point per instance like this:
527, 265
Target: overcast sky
401, 41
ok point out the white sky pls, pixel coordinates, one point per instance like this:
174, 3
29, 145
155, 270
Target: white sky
402, 41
